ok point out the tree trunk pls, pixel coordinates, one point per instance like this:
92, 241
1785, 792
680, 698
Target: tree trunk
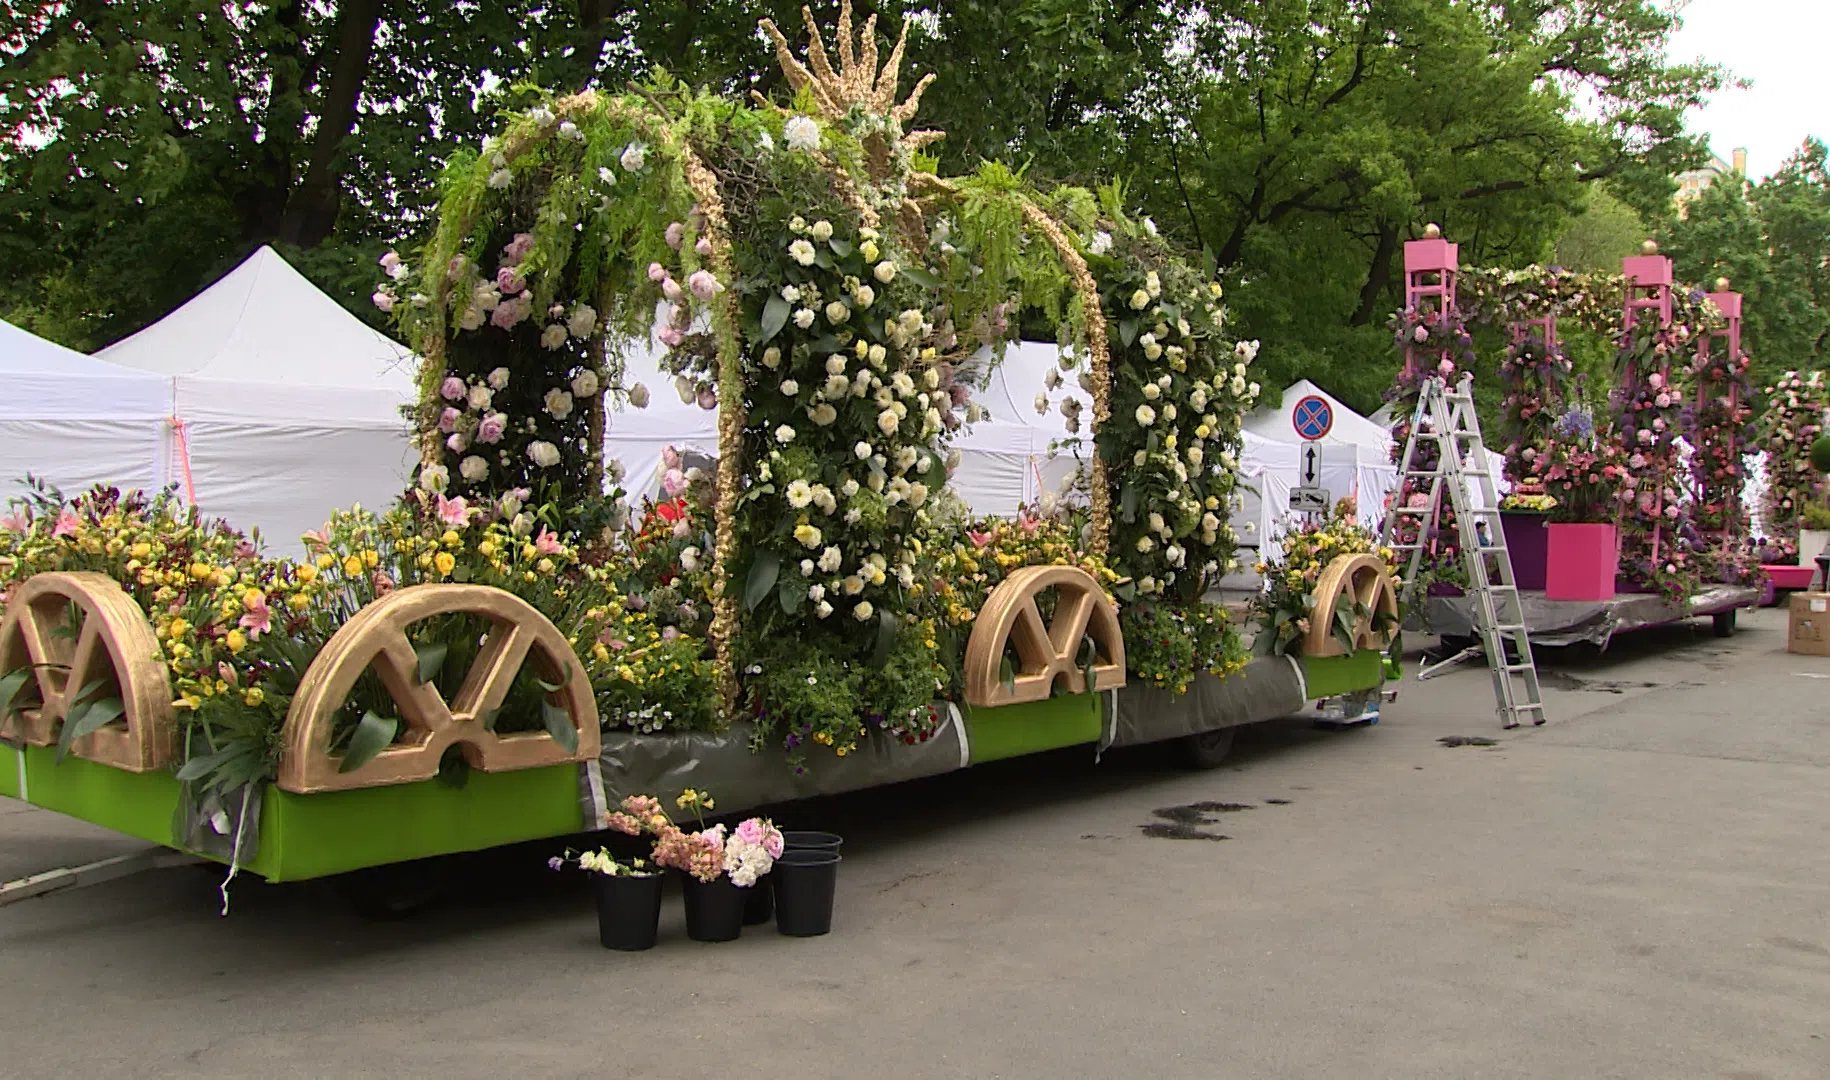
1378, 275
311, 213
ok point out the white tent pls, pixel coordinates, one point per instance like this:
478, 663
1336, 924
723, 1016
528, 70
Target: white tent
76, 421
284, 405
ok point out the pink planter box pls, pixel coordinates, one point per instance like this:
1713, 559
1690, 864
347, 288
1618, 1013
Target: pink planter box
1581, 562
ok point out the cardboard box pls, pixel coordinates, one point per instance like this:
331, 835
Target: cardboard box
1809, 632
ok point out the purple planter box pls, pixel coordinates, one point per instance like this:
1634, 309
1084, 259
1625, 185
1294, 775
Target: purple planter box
1528, 542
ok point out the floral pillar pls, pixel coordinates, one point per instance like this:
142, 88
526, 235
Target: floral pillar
1534, 372
1431, 334
1720, 432
1653, 552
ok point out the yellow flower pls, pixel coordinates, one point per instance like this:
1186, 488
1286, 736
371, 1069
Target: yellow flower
307, 573
141, 550
253, 696
298, 601
200, 571
325, 562
177, 629
451, 538
487, 548
236, 641
445, 562
528, 551
188, 701
352, 566
371, 558
545, 566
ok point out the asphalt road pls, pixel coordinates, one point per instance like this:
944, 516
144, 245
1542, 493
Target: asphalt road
1639, 889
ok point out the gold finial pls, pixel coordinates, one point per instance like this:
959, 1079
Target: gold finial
1432, 231
1650, 247
1721, 284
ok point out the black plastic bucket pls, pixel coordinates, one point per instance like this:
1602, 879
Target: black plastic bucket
812, 841
628, 911
714, 909
758, 903
805, 880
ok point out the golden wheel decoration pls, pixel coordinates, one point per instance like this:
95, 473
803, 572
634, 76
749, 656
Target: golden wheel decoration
377, 639
1046, 651
75, 628
1360, 580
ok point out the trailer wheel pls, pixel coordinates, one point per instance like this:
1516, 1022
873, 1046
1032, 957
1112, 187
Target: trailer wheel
394, 891
1208, 749
1724, 623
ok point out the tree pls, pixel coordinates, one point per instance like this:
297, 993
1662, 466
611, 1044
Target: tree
1605, 232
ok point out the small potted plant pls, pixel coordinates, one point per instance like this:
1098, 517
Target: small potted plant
628, 897
1523, 517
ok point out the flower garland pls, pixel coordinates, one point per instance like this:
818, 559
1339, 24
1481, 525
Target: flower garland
1658, 550
1433, 342
1720, 431
1535, 374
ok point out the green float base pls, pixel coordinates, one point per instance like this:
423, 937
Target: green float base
1014, 730
1328, 676
308, 836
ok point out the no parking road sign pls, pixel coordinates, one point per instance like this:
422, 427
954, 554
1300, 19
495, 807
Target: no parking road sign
1313, 417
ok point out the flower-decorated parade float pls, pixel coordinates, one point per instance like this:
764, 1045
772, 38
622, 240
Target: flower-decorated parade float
513, 651
1625, 511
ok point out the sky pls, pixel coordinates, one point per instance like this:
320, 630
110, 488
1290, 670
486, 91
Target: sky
1780, 46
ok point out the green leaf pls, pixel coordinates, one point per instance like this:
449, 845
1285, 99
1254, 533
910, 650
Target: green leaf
85, 718
1007, 675
431, 659
1087, 672
789, 595
765, 568
841, 248
373, 735
1127, 332
1125, 590
559, 725
10, 685
203, 765
886, 640
919, 276
1127, 503
774, 317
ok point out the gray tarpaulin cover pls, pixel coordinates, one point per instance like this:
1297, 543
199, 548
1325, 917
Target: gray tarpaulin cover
1269, 687
1566, 622
723, 764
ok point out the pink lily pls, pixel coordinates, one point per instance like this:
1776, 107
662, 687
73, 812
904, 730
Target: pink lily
453, 511
67, 524
16, 522
257, 619
548, 544
979, 539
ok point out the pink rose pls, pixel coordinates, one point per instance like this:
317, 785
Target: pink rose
657, 273
671, 336
675, 235
704, 285
670, 456
447, 421
671, 289
517, 249
708, 399
452, 389
703, 247
508, 281
490, 430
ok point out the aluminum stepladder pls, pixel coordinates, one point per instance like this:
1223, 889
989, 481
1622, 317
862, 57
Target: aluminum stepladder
1446, 418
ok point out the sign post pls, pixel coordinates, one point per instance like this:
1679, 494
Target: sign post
1313, 419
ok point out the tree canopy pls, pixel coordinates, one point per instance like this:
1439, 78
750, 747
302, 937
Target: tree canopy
145, 146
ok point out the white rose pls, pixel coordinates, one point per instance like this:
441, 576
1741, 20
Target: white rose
801, 133
888, 421
862, 450
689, 559
816, 593
584, 384
822, 230
790, 388
835, 364
1144, 544
582, 321
558, 404
543, 454
1146, 416
823, 609
473, 468
784, 434
866, 296
480, 397
806, 567
791, 293
848, 488
823, 415
1102, 242
837, 312
498, 378
1152, 392
863, 611
885, 272
772, 357
501, 178
831, 559
1041, 404
1140, 300
837, 386
876, 354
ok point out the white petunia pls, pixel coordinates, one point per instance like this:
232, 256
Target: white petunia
784, 434
790, 388
605, 176
831, 559
1102, 243
802, 252
634, 157
1146, 416
799, 494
